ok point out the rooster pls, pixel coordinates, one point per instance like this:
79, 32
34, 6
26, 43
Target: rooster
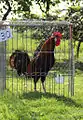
40, 65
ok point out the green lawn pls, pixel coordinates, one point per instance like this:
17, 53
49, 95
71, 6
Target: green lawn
32, 105
40, 106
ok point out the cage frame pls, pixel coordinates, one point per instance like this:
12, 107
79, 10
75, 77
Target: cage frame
38, 23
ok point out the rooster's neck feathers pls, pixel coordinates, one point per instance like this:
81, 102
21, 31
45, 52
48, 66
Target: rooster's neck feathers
48, 45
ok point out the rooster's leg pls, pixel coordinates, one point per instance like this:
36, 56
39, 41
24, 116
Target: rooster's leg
42, 80
34, 86
35, 81
43, 87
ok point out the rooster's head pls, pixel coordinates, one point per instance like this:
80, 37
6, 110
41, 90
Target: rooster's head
58, 37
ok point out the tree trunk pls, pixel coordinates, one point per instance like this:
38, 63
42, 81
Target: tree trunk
47, 8
78, 48
8, 11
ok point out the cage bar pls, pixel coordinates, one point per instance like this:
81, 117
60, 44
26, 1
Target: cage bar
2, 62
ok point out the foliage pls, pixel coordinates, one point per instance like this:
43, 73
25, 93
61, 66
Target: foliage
45, 5
23, 7
17, 6
5, 5
75, 16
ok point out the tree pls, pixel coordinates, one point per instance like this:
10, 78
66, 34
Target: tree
45, 5
23, 7
75, 16
8, 9
15, 6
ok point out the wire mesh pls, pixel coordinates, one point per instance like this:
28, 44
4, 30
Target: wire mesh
27, 35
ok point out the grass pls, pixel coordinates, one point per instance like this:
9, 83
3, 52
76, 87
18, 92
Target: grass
21, 85
40, 106
32, 105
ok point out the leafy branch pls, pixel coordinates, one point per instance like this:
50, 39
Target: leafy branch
8, 10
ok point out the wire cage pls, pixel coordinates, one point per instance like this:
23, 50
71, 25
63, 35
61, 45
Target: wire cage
30, 35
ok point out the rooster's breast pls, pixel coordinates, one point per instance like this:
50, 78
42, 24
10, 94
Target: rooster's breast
47, 62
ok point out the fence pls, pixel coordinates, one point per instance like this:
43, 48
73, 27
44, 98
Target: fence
27, 35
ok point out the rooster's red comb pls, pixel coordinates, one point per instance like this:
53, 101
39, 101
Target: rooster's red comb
57, 34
